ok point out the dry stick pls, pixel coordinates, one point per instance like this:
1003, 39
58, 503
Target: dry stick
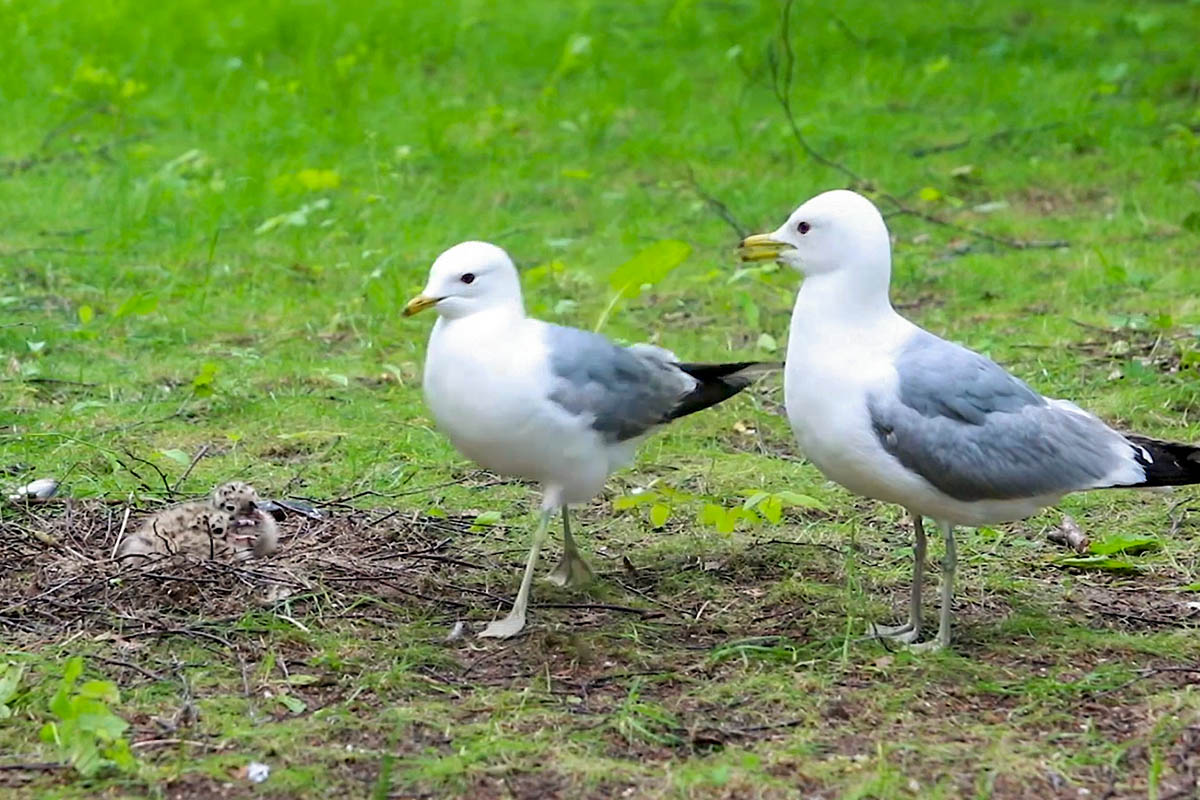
645, 613
121, 533
164, 742
485, 657
1069, 534
196, 460
62, 250
781, 84
204, 634
34, 766
719, 208
161, 475
998, 136
154, 676
15, 167
1149, 672
792, 723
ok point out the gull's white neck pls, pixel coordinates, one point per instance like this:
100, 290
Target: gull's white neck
840, 303
493, 317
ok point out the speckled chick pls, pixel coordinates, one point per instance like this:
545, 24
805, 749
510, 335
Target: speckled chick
228, 526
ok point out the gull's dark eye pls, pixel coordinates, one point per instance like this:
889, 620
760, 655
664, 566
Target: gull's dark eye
468, 277
804, 228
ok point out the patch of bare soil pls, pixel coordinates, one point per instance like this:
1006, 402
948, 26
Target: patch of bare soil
1063, 200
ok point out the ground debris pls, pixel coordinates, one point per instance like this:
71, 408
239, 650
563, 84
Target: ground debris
60, 574
1069, 534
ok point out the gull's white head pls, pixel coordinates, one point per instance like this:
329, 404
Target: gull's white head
838, 231
468, 278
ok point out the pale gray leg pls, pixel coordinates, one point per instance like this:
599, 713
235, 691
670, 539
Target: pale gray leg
515, 621
909, 631
572, 570
949, 565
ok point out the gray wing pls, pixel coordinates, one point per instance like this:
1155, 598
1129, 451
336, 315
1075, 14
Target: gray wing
623, 391
977, 433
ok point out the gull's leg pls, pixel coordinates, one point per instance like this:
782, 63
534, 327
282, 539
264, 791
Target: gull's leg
909, 631
572, 570
949, 565
515, 621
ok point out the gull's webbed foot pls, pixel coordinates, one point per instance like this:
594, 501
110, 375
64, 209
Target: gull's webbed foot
572, 571
904, 634
510, 626
932, 646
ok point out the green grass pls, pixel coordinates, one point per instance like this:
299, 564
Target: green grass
150, 307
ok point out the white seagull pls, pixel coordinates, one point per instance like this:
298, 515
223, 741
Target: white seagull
892, 412
559, 406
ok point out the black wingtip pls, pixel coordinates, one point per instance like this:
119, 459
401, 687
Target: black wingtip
716, 383
1166, 463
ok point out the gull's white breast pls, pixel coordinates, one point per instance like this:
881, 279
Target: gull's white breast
487, 383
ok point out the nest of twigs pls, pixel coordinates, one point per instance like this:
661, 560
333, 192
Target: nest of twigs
58, 572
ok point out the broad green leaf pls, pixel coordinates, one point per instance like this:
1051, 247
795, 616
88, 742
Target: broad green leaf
48, 733
72, 671
101, 690
85, 315
120, 754
10, 679
1104, 563
754, 499
85, 757
712, 514
659, 514
799, 500
772, 509
139, 304
302, 680
293, 704
1129, 544
103, 723
648, 266
204, 381
177, 455
487, 518
626, 501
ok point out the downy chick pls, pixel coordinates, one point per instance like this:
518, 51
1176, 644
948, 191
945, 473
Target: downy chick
228, 526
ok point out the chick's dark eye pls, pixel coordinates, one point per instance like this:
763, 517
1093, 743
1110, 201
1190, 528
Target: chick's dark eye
804, 228
468, 277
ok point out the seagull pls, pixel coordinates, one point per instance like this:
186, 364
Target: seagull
559, 406
892, 412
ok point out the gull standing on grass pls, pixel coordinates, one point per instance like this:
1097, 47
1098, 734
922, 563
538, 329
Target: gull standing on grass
556, 405
892, 412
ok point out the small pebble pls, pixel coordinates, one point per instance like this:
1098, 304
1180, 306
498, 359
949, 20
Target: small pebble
456, 632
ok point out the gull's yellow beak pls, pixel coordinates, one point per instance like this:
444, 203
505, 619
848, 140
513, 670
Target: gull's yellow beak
761, 247
419, 304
